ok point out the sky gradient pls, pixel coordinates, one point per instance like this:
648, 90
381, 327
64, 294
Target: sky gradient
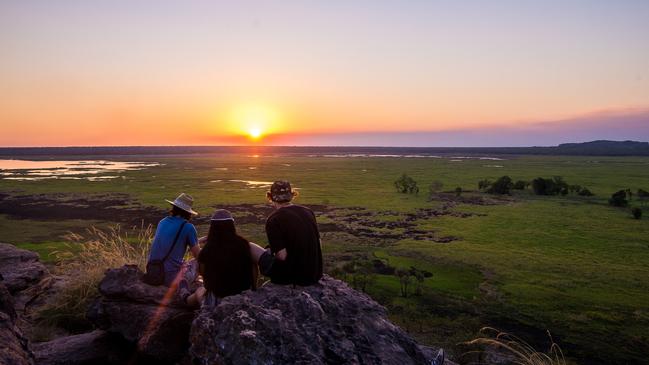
420, 73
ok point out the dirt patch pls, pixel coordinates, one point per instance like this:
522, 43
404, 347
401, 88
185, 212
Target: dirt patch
119, 208
122, 208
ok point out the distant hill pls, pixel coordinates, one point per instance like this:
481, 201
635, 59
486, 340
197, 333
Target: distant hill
594, 148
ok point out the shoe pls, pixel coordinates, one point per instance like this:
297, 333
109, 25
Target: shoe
439, 358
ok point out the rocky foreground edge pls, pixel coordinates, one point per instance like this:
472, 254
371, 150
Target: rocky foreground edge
328, 323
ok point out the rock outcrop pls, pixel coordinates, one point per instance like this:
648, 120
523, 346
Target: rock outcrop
328, 323
93, 348
14, 347
20, 268
150, 317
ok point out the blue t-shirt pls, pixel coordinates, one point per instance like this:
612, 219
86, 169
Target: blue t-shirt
164, 238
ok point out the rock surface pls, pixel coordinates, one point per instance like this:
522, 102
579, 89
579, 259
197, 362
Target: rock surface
20, 268
14, 347
148, 316
328, 323
96, 347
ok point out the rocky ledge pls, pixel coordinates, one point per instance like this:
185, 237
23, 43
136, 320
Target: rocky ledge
327, 323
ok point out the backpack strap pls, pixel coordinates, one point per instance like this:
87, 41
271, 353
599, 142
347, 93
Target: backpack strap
175, 240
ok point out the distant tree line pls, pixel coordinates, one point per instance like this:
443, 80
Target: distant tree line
540, 186
407, 185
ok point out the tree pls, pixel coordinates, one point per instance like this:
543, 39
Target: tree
636, 212
642, 193
406, 185
520, 185
585, 192
501, 186
618, 199
484, 184
420, 276
554, 186
404, 281
458, 191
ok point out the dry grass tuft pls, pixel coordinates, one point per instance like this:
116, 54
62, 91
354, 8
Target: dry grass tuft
96, 252
516, 350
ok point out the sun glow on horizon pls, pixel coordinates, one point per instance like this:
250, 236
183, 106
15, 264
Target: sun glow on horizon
254, 121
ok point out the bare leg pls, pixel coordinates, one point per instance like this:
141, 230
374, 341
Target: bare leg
196, 298
256, 251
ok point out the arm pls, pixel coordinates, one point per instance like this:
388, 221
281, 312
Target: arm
202, 240
195, 251
281, 255
192, 240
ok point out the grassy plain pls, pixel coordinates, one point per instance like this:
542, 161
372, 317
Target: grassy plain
571, 265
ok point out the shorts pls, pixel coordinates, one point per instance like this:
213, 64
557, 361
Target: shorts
266, 262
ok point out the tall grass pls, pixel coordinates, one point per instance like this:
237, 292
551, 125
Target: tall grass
517, 351
97, 251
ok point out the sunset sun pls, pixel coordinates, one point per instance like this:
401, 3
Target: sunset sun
255, 133
254, 121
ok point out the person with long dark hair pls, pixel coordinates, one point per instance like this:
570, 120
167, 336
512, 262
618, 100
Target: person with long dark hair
224, 262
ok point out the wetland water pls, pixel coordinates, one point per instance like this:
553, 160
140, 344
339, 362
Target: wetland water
92, 170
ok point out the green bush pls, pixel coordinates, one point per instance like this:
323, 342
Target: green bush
520, 185
618, 199
501, 186
406, 185
585, 192
636, 212
484, 184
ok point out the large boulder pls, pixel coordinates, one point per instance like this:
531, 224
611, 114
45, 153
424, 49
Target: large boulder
327, 323
149, 317
93, 348
14, 347
20, 268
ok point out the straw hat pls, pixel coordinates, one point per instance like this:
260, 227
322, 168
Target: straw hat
184, 202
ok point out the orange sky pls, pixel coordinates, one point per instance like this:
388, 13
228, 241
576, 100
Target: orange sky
81, 73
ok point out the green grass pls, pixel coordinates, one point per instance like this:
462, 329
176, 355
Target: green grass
571, 265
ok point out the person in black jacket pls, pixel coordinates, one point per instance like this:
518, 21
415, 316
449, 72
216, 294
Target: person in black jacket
294, 255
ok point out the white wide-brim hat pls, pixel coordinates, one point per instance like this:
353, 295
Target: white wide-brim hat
184, 202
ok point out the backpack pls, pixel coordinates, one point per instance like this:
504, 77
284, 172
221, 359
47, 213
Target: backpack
155, 270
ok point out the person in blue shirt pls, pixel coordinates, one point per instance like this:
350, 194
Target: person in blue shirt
176, 224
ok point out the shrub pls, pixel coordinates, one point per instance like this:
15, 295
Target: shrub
636, 212
501, 186
642, 193
99, 251
520, 185
554, 186
458, 191
585, 192
484, 184
618, 199
406, 185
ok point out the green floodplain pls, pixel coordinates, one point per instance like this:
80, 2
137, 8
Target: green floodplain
526, 264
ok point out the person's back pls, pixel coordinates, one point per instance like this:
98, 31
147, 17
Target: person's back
225, 261
294, 228
173, 229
